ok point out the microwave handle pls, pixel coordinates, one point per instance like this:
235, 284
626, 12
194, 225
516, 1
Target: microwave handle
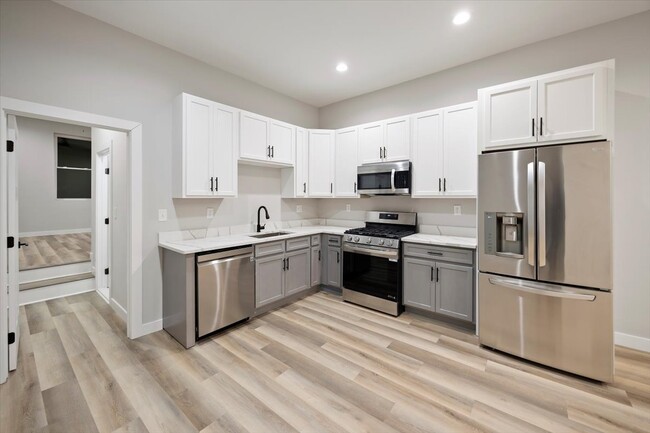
392, 180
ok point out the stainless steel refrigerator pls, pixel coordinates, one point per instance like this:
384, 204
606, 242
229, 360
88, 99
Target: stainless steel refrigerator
545, 256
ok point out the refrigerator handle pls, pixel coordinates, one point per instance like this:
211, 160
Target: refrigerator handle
540, 289
541, 214
531, 214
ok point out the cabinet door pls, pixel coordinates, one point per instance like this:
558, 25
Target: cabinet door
282, 140
321, 157
253, 136
371, 143
418, 283
509, 114
345, 165
269, 279
397, 144
198, 146
297, 275
224, 159
455, 291
302, 162
573, 105
315, 266
460, 150
334, 257
427, 161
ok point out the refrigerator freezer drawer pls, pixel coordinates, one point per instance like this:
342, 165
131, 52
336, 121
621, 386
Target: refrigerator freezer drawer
563, 327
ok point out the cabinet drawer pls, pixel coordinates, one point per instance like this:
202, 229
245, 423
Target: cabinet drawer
333, 240
439, 253
297, 244
315, 240
269, 249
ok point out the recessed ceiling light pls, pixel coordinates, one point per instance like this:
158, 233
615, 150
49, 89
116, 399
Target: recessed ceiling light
461, 18
342, 67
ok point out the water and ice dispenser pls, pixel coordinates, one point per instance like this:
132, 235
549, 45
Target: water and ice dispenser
504, 234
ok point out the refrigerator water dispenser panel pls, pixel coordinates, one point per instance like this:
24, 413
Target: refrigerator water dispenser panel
504, 234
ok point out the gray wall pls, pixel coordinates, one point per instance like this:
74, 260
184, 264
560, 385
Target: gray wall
53, 55
626, 40
39, 210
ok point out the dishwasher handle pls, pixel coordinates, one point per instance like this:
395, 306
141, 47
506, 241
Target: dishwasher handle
225, 254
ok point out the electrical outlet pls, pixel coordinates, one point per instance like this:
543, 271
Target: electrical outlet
457, 209
162, 215
299, 208
347, 208
210, 213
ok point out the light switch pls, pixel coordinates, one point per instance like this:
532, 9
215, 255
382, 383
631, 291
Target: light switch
347, 208
457, 209
210, 213
162, 214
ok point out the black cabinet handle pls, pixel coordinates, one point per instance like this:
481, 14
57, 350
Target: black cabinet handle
444, 185
355, 187
384, 151
533, 128
431, 273
434, 253
439, 184
338, 257
380, 157
437, 274
284, 264
288, 263
331, 188
319, 255
216, 183
268, 151
541, 126
272, 151
304, 187
212, 184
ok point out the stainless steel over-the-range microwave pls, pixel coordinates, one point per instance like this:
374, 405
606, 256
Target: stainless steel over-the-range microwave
384, 178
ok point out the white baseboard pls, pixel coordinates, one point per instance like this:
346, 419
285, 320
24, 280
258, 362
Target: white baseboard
148, 328
54, 232
121, 311
632, 341
53, 271
57, 291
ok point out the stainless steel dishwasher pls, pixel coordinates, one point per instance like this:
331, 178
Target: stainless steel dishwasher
225, 291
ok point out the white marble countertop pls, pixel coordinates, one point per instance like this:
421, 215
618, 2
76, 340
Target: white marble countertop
193, 246
441, 240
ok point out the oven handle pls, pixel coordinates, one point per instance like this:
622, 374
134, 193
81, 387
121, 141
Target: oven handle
391, 255
392, 180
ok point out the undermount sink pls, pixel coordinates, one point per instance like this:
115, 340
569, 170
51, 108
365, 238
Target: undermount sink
269, 235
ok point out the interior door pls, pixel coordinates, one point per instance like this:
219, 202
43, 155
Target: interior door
575, 220
345, 180
13, 230
460, 151
224, 144
427, 167
198, 141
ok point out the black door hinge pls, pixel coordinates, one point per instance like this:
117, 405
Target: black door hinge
11, 338
105, 220
107, 170
11, 241
10, 146
106, 271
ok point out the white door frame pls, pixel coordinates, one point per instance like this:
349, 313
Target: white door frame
102, 237
135, 327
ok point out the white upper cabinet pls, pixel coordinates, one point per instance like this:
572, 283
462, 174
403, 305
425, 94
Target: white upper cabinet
397, 142
444, 152
459, 149
510, 114
427, 163
570, 105
294, 180
321, 163
371, 142
265, 140
205, 140
345, 164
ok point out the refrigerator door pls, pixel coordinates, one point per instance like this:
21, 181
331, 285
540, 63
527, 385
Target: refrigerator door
574, 218
563, 327
506, 213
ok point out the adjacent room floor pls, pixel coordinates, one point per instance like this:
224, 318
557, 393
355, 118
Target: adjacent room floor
316, 365
54, 250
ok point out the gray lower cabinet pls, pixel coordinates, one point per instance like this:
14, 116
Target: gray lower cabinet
269, 279
333, 277
438, 285
297, 274
316, 261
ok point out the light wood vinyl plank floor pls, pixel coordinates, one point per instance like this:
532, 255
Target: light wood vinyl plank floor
54, 250
318, 365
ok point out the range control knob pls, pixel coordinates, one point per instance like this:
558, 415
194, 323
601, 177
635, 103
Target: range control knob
381, 242
389, 243
348, 238
368, 240
356, 238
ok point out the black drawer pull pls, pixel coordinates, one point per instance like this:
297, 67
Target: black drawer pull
435, 253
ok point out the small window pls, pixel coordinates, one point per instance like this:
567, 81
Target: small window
73, 167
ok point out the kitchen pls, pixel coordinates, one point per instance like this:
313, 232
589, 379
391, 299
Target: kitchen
421, 243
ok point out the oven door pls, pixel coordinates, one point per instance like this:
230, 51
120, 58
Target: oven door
372, 271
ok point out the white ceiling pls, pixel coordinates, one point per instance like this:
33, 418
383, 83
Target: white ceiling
293, 47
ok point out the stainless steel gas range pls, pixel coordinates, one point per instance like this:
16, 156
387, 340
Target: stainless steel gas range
372, 269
